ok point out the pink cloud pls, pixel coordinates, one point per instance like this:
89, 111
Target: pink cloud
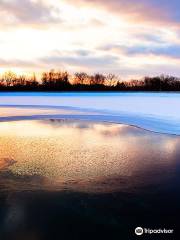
141, 11
26, 13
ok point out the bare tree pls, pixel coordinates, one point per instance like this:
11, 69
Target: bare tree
99, 79
80, 77
9, 78
111, 79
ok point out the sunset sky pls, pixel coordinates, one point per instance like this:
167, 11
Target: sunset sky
131, 38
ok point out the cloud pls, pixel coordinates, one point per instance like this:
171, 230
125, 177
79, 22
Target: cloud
78, 61
27, 12
132, 67
141, 10
73, 61
119, 36
17, 63
150, 38
171, 51
159, 50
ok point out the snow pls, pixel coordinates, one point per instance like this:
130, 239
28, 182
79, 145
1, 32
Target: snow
158, 112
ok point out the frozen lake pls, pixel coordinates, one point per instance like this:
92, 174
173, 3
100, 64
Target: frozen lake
153, 111
84, 156
98, 178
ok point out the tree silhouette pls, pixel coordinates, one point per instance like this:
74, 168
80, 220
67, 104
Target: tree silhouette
111, 79
60, 81
9, 78
80, 78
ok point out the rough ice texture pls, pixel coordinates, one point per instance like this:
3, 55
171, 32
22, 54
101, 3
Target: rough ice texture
158, 112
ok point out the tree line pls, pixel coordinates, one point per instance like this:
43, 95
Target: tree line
62, 81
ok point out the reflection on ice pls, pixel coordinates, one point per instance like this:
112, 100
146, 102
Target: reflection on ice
89, 156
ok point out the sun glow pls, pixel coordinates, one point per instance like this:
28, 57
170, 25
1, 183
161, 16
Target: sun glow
81, 36
16, 70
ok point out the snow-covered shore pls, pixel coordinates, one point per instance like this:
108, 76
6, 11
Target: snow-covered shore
158, 112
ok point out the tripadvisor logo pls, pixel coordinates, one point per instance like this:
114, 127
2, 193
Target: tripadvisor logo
139, 231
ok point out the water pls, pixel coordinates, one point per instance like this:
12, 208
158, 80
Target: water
97, 179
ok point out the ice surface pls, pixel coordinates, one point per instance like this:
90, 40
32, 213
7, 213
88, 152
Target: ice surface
153, 111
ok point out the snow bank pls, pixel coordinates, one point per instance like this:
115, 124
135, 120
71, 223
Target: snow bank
153, 111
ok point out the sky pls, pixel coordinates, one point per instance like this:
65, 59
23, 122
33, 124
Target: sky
130, 38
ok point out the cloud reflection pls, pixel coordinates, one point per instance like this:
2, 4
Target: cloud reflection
80, 154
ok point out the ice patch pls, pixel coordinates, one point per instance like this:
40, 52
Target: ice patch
158, 112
